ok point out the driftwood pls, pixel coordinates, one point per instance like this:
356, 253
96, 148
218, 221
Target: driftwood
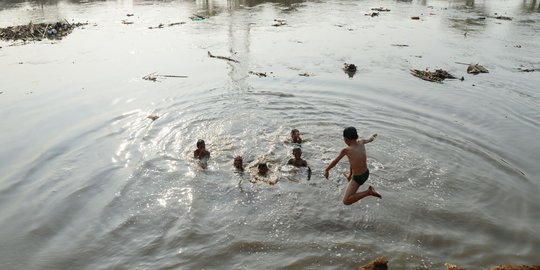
222, 57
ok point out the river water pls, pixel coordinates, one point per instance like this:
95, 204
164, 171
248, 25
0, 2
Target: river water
89, 182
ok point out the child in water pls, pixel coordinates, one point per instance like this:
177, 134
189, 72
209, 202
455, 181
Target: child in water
201, 152
356, 152
295, 136
238, 163
297, 161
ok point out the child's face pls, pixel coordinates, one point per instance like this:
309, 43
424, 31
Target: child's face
347, 141
295, 135
297, 154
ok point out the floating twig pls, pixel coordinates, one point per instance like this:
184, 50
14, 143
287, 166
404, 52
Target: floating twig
222, 57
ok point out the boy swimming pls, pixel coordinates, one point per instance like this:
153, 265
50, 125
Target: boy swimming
297, 161
295, 136
201, 152
356, 152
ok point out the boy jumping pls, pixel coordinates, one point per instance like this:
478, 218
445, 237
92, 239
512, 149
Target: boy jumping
356, 152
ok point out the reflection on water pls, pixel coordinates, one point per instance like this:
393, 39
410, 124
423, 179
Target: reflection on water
90, 182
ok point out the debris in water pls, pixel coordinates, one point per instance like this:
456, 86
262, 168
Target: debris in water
523, 69
305, 74
503, 18
260, 74
373, 14
153, 76
153, 117
130, 14
415, 18
438, 75
197, 17
161, 25
150, 77
279, 22
380, 9
476, 69
400, 45
31, 32
126, 22
349, 67
222, 57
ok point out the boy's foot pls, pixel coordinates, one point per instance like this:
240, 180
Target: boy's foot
374, 193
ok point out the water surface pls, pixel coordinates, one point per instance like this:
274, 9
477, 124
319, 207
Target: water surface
89, 182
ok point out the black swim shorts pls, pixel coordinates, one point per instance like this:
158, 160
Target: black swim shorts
361, 179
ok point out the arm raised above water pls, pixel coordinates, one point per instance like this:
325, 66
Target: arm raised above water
370, 138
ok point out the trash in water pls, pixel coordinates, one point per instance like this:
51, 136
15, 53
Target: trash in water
400, 45
197, 17
279, 22
350, 69
31, 31
502, 18
153, 76
222, 57
161, 25
415, 18
260, 74
130, 14
380, 9
476, 69
524, 69
305, 74
373, 14
153, 117
150, 77
126, 22
438, 75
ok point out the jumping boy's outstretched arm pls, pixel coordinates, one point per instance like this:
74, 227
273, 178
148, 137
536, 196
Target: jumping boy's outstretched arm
370, 138
334, 162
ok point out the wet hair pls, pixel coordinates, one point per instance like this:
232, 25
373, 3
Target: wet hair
294, 131
350, 133
200, 142
297, 149
262, 165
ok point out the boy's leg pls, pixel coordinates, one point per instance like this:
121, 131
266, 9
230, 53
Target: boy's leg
351, 196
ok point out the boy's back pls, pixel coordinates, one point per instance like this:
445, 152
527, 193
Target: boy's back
356, 152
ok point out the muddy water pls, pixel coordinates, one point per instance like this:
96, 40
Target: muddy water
89, 182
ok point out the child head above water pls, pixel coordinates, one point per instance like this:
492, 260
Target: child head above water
238, 163
295, 136
297, 153
201, 145
262, 168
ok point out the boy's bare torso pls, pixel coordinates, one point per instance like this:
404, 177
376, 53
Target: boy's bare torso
357, 157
